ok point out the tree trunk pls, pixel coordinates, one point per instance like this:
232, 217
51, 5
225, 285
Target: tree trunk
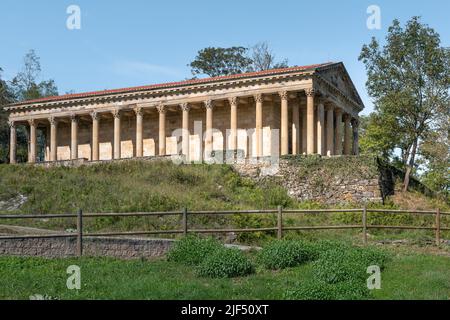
410, 166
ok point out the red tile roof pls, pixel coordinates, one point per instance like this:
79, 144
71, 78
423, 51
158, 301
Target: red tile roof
169, 84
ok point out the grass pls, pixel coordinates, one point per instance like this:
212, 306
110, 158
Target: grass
408, 276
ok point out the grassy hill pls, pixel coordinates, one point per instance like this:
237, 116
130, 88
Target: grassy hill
129, 186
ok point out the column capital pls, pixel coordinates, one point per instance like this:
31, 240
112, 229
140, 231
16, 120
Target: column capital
31, 122
73, 117
116, 113
161, 108
95, 115
338, 110
53, 121
329, 107
354, 122
208, 104
283, 95
185, 107
233, 101
12, 124
347, 117
310, 92
138, 111
258, 97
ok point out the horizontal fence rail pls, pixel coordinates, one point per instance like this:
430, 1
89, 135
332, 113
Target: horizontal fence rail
184, 213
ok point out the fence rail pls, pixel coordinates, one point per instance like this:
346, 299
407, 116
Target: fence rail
184, 213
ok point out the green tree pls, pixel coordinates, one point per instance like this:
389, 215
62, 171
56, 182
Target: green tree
409, 80
214, 61
24, 86
220, 61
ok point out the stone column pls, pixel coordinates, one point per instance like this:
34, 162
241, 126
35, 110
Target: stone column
32, 148
139, 141
53, 138
74, 137
209, 128
310, 121
233, 123
338, 133
284, 123
355, 147
320, 128
258, 124
185, 107
162, 130
32, 141
116, 115
295, 128
330, 130
12, 142
347, 134
95, 125
304, 128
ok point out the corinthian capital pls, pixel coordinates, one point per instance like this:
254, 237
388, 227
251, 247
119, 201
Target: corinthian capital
209, 104
258, 97
138, 111
73, 117
310, 92
233, 101
185, 106
12, 124
53, 121
283, 95
116, 113
31, 122
161, 108
95, 115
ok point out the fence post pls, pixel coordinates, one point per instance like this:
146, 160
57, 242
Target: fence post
364, 224
280, 222
79, 233
438, 227
185, 225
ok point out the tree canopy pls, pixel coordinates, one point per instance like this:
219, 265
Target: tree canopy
408, 79
217, 61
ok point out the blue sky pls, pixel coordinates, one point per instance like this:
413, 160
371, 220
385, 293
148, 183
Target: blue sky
129, 43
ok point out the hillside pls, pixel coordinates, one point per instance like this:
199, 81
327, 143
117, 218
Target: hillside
130, 186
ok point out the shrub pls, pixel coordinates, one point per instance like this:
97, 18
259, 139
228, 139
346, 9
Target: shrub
225, 263
320, 290
347, 263
280, 254
192, 250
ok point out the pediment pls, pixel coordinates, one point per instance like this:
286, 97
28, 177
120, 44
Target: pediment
337, 75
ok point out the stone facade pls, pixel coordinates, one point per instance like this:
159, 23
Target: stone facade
310, 110
124, 248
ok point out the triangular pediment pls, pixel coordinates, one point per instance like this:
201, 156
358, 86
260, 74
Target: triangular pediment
337, 75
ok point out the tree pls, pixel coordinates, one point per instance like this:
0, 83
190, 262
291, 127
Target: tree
25, 84
264, 59
220, 61
225, 61
409, 80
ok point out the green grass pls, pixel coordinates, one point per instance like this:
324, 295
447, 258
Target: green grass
407, 276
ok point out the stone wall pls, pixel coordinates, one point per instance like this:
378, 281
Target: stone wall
125, 248
328, 180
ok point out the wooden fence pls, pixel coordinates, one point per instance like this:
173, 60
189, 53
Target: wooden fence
184, 213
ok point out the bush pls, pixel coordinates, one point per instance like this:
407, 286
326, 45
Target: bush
192, 250
225, 263
347, 263
320, 290
280, 254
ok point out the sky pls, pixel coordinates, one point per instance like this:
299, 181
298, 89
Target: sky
132, 43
